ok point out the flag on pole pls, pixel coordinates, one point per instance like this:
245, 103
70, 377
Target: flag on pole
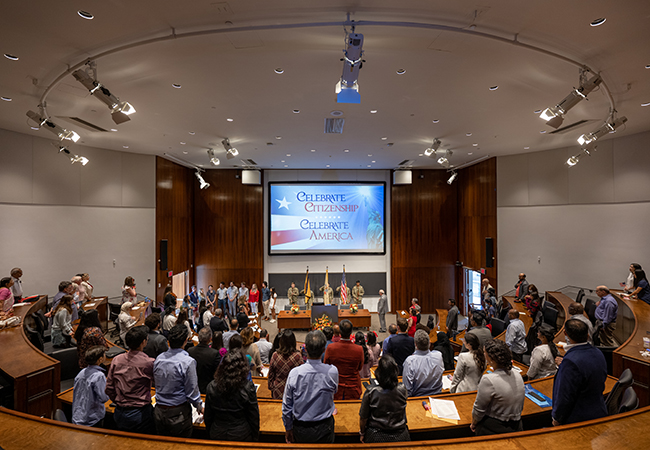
307, 290
344, 289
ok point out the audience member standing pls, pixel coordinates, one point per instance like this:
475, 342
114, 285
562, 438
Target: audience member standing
231, 409
244, 295
392, 331
308, 402
542, 358
373, 346
156, 342
222, 297
516, 336
606, 313
284, 359
382, 416
88, 334
641, 286
521, 288
6, 295
266, 299
580, 379
348, 359
382, 309
170, 320
401, 345
207, 359
89, 393
128, 291
577, 311
368, 357
128, 385
412, 321
211, 297
264, 346
253, 299
250, 349
17, 287
228, 334
88, 288
176, 387
630, 281
242, 318
273, 302
477, 321
218, 323
233, 293
125, 319
443, 345
452, 319
500, 395
423, 370
62, 324
470, 367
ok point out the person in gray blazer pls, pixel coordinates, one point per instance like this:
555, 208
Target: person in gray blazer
521, 288
382, 309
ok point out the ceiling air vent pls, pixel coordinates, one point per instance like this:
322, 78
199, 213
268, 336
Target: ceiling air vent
406, 162
334, 125
84, 124
571, 126
252, 162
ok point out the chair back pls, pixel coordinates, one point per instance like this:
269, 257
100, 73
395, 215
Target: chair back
590, 309
613, 401
581, 295
115, 311
550, 317
498, 326
60, 416
630, 401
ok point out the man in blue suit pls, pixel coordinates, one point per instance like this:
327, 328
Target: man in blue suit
580, 379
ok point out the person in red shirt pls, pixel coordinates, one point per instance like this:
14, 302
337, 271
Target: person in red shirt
348, 359
412, 321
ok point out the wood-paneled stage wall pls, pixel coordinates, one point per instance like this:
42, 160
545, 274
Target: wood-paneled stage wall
218, 233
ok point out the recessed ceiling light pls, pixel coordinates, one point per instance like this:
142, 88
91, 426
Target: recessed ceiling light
373, 162
185, 153
282, 160
475, 144
370, 155
647, 65
468, 134
35, 128
537, 111
278, 137
296, 111
279, 70
229, 119
435, 121
192, 133
645, 104
6, 99
526, 148
113, 129
494, 88
401, 72
597, 22
384, 138
182, 143
176, 85
85, 14
313, 150
373, 111
368, 165
125, 146
543, 131
15, 58
327, 165
347, 150
421, 154
470, 153
288, 154
286, 165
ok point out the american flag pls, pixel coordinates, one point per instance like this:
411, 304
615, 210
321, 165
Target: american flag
344, 289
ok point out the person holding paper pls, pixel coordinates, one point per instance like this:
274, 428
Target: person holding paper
375, 425
500, 395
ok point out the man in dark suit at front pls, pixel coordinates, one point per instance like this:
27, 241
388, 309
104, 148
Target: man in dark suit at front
348, 358
217, 323
580, 379
207, 359
401, 345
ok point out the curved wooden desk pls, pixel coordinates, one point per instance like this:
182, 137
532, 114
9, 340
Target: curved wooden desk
36, 377
20, 431
628, 355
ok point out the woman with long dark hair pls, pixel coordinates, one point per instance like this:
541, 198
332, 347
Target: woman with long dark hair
231, 409
382, 416
373, 346
641, 286
61, 324
285, 358
542, 358
368, 356
470, 366
500, 395
89, 334
444, 346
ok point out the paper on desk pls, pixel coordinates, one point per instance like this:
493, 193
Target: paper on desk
446, 382
134, 308
265, 371
20, 304
444, 409
516, 368
90, 305
196, 417
195, 339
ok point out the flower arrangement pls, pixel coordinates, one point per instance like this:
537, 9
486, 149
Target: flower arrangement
354, 308
322, 322
295, 309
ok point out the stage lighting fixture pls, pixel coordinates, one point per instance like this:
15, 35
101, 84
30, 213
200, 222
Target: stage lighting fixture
202, 183
588, 140
431, 151
453, 176
231, 151
347, 88
443, 157
61, 132
555, 116
73, 158
213, 159
573, 160
120, 111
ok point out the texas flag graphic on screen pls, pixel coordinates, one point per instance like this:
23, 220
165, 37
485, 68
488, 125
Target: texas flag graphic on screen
326, 218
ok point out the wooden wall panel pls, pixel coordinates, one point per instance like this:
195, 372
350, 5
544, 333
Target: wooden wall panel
229, 230
174, 220
477, 215
424, 234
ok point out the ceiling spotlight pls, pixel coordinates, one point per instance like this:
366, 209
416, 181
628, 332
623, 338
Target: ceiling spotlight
453, 176
588, 141
213, 159
231, 151
202, 183
595, 23
279, 70
11, 57
73, 158
432, 150
573, 160
120, 111
85, 15
555, 116
61, 132
347, 88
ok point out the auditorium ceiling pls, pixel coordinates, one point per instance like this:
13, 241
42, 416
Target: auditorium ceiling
471, 74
